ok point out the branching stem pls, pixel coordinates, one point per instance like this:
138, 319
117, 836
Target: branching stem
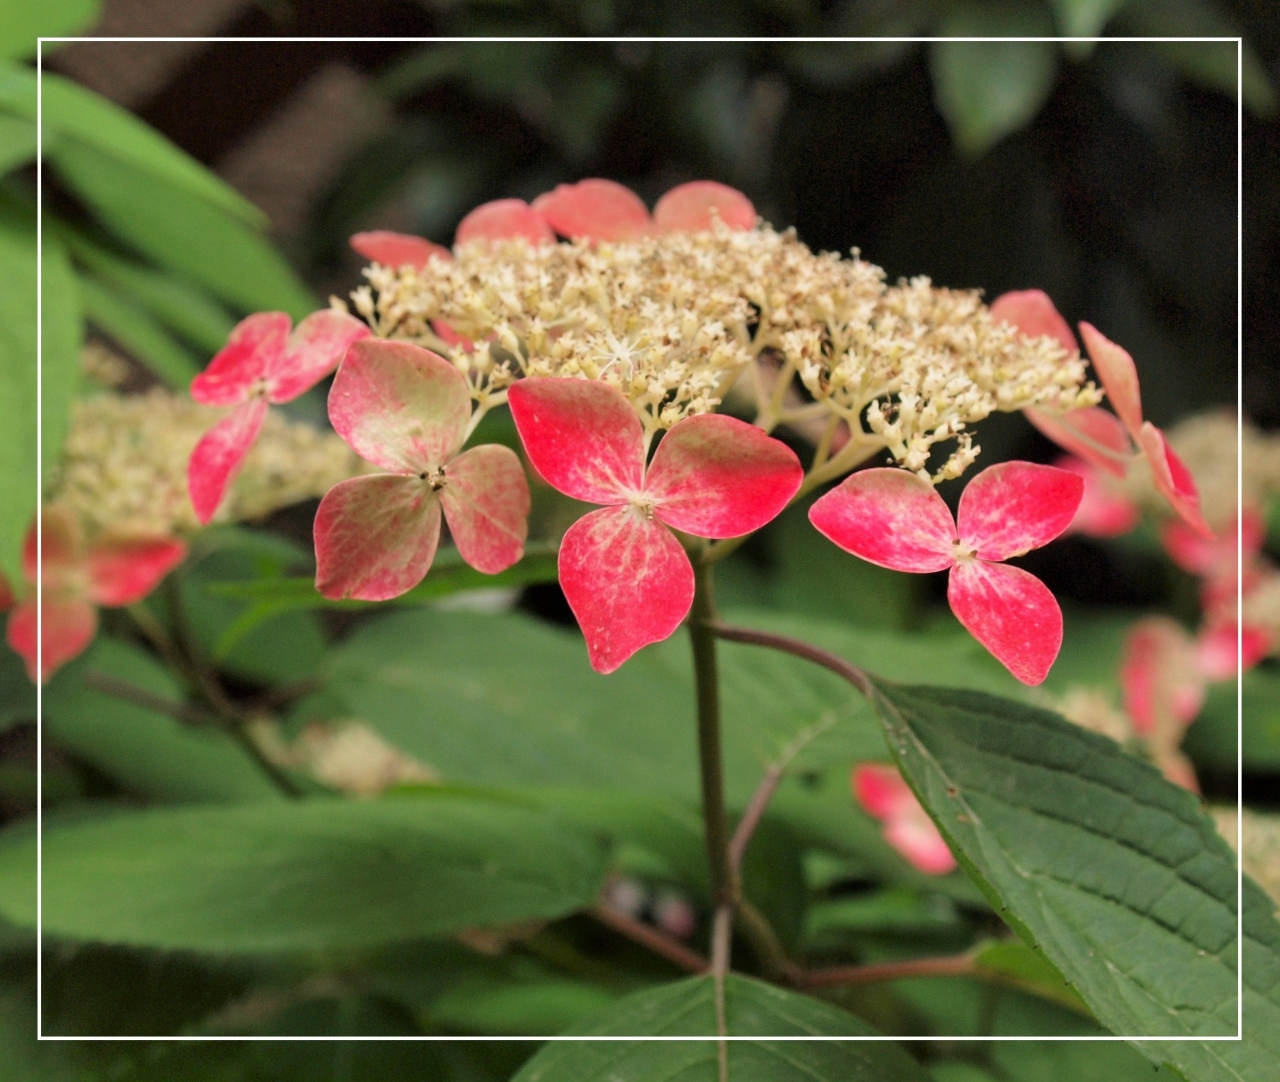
647, 936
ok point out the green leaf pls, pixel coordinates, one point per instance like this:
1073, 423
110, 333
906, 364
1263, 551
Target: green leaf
146, 752
989, 89
535, 1008
1254, 1058
1085, 18
1073, 1061
23, 21
306, 875
182, 231
449, 575
131, 328
1115, 874
1212, 740
687, 1008
1020, 965
77, 114
1210, 63
61, 344
184, 308
17, 142
17, 692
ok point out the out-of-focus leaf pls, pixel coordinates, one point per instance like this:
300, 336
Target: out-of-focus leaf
189, 311
17, 692
17, 142
1084, 18
509, 1008
449, 575
77, 114
1117, 875
146, 752
1215, 64
23, 21
182, 231
133, 329
687, 1008
302, 875
1212, 740
1015, 962
60, 353
989, 89
894, 910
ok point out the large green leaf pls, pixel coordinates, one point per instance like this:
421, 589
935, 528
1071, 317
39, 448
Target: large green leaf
989, 89
182, 231
148, 753
60, 351
137, 333
77, 114
17, 142
1115, 874
23, 21
687, 1008
307, 875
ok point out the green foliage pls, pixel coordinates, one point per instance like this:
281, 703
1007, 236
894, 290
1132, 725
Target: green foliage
1114, 874
18, 375
309, 875
1212, 741
751, 1009
23, 21
988, 89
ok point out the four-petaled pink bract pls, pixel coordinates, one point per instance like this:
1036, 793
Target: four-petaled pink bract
625, 574
407, 410
895, 519
75, 579
884, 795
261, 363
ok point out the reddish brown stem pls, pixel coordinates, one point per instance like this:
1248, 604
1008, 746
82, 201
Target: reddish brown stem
647, 936
960, 965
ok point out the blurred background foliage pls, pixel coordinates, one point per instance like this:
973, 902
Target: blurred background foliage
1104, 173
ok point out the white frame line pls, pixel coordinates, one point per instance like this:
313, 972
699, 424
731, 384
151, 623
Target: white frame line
1239, 43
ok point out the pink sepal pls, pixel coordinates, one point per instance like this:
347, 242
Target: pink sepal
315, 349
1225, 649
627, 580
717, 476
888, 517
61, 550
122, 570
1172, 479
218, 456
1214, 556
907, 826
1013, 507
70, 624
1011, 612
696, 206
400, 406
1093, 434
397, 249
253, 346
1034, 314
594, 209
1119, 376
1159, 676
375, 536
486, 504
1102, 511
582, 437
504, 219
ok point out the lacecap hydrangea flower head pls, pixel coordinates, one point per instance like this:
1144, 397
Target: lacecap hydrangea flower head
615, 335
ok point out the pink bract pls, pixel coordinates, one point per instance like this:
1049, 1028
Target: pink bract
624, 573
504, 219
594, 209
1162, 683
1103, 512
885, 796
897, 520
697, 206
1034, 314
406, 410
1213, 556
115, 570
397, 249
1084, 432
261, 362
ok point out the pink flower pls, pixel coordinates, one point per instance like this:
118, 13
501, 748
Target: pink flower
1094, 434
1162, 683
605, 210
261, 363
75, 580
624, 573
504, 219
895, 519
1103, 511
397, 249
907, 826
407, 410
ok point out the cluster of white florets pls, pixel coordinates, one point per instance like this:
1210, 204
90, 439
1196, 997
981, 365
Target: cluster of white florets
675, 320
